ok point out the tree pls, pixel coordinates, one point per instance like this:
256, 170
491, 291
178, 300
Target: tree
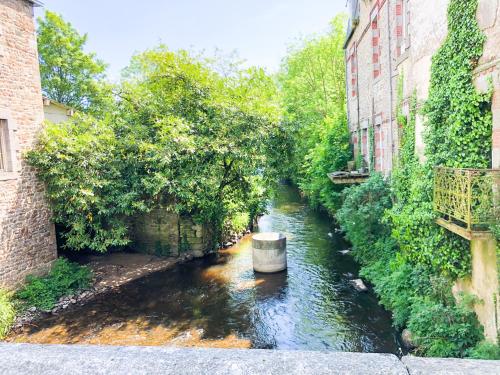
312, 82
69, 74
180, 135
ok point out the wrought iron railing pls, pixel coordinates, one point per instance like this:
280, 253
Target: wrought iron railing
469, 196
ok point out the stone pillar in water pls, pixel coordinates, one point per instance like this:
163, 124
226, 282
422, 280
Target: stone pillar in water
269, 252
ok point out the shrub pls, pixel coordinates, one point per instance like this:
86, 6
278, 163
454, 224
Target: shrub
361, 217
442, 330
7, 313
485, 350
65, 278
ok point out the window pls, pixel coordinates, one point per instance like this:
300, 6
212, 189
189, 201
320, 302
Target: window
402, 26
354, 70
8, 149
3, 146
375, 41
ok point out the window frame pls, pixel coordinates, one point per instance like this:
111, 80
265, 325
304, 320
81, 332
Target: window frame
10, 148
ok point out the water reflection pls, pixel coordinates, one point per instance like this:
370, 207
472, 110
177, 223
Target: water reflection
222, 302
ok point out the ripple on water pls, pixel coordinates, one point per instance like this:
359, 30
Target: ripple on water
221, 302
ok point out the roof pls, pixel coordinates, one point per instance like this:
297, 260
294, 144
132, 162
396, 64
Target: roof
36, 3
47, 102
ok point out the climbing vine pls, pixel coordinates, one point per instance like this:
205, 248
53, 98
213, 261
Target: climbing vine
359, 156
371, 151
459, 118
458, 134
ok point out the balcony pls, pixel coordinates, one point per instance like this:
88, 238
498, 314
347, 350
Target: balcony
350, 176
466, 199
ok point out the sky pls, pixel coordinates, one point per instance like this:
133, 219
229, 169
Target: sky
259, 30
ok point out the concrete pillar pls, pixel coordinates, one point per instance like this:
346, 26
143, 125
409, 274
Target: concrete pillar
483, 283
269, 252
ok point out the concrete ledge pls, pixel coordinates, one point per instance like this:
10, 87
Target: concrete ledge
450, 366
65, 359
75, 359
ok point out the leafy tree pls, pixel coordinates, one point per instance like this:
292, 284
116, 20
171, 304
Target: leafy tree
180, 134
69, 74
312, 81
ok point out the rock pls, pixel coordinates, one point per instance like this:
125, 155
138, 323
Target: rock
32, 309
228, 244
349, 275
359, 285
345, 252
407, 339
330, 234
338, 230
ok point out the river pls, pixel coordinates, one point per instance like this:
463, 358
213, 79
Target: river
220, 302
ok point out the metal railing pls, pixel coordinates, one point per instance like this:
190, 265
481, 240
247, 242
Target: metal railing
469, 196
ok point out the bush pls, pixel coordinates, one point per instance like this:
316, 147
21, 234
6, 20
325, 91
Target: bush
65, 278
442, 330
485, 350
7, 313
361, 217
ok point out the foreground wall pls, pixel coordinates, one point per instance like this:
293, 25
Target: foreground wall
27, 239
72, 359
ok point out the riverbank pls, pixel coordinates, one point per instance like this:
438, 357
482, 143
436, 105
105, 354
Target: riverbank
219, 301
110, 271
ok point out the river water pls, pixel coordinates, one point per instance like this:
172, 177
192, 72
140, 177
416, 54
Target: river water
221, 302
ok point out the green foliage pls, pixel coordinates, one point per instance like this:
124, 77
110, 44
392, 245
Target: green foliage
361, 217
485, 350
7, 313
65, 278
459, 119
86, 182
442, 330
181, 134
458, 134
312, 81
69, 75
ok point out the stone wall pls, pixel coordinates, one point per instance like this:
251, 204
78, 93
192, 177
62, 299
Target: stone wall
484, 284
27, 235
165, 233
372, 100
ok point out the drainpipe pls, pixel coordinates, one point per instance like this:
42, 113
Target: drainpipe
391, 140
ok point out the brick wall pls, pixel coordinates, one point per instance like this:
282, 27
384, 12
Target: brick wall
408, 33
27, 239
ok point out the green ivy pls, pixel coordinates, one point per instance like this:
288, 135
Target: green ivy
371, 151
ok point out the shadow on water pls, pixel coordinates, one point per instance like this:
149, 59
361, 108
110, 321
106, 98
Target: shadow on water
220, 301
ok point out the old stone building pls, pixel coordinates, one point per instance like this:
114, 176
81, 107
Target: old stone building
391, 42
27, 238
389, 39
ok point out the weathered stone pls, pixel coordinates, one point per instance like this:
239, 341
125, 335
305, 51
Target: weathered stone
450, 366
359, 285
407, 339
27, 235
60, 360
